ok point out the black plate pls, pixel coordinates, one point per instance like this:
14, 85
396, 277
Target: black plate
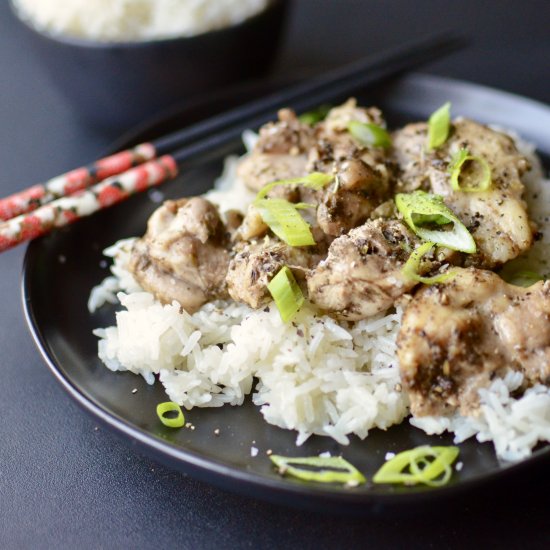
61, 269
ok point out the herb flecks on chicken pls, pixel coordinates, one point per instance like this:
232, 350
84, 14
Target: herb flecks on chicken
497, 218
362, 275
279, 154
455, 338
256, 263
183, 255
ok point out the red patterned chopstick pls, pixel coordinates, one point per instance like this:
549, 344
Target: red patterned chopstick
68, 209
74, 181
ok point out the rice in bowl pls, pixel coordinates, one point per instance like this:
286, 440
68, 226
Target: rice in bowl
133, 20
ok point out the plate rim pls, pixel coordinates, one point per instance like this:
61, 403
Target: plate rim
253, 483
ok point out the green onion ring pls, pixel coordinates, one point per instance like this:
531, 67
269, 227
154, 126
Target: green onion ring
410, 269
430, 471
421, 208
420, 469
456, 166
170, 406
333, 469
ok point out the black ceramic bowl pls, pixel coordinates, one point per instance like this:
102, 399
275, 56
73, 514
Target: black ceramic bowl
118, 84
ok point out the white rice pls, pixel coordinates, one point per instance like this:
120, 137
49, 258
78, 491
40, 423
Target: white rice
314, 376
121, 278
514, 425
132, 20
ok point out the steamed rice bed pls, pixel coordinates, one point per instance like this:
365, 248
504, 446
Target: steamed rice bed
314, 375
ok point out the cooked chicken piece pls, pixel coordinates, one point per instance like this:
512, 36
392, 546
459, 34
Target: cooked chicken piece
286, 136
357, 191
497, 218
259, 169
183, 255
331, 149
256, 263
339, 117
253, 225
456, 337
280, 153
334, 143
362, 273
363, 175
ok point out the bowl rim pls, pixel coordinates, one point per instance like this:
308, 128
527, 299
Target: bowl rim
69, 40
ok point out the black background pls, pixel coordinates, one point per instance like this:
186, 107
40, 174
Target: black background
66, 482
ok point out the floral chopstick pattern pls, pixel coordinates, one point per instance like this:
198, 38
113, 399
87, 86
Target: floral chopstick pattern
74, 181
68, 209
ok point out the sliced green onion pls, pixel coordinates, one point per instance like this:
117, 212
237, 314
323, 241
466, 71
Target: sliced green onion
303, 205
170, 407
420, 209
412, 266
435, 472
282, 216
315, 180
479, 180
524, 278
332, 469
313, 117
438, 126
287, 294
283, 219
369, 134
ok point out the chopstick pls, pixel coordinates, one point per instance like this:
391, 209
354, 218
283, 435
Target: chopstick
83, 191
74, 181
69, 209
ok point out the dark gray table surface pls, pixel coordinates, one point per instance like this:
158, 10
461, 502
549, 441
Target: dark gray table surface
66, 482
